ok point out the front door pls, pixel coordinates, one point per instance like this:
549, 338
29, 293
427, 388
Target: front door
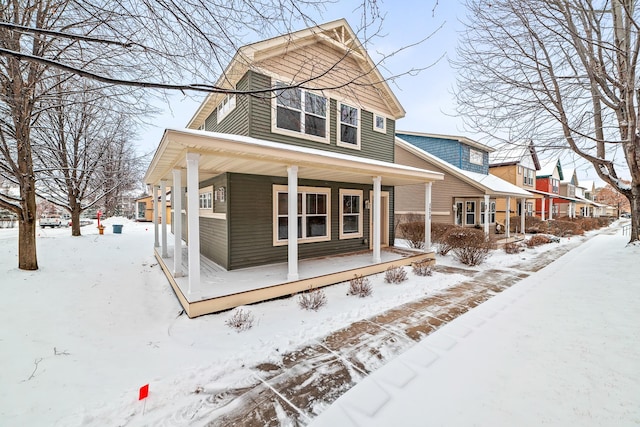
384, 219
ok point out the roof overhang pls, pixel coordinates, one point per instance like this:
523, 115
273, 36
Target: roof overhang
222, 153
463, 139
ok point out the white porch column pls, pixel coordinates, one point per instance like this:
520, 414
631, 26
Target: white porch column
154, 197
292, 222
550, 208
507, 221
523, 213
176, 203
427, 217
163, 209
542, 212
486, 214
193, 223
377, 180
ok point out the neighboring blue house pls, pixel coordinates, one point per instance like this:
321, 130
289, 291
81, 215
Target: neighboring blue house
468, 195
458, 151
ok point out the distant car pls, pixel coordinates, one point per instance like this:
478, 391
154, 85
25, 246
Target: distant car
52, 221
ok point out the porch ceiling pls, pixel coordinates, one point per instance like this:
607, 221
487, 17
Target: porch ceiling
222, 153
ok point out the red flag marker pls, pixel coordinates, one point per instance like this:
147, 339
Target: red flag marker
144, 392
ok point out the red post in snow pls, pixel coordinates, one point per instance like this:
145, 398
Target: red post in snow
99, 214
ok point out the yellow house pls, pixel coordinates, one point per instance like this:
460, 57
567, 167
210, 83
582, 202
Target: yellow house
144, 209
516, 164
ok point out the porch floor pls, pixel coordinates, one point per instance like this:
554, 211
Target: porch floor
221, 289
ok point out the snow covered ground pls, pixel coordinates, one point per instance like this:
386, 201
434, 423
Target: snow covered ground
560, 348
98, 321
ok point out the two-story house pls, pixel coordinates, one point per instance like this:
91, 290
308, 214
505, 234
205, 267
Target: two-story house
568, 202
302, 145
468, 196
548, 186
518, 165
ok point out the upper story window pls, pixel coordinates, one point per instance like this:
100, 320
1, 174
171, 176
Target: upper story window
349, 121
571, 190
528, 177
226, 106
555, 185
476, 157
379, 123
302, 112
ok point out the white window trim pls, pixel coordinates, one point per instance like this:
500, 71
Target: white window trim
473, 154
384, 123
284, 189
346, 192
205, 190
225, 107
466, 212
303, 135
339, 142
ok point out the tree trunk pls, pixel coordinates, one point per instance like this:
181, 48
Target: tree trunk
75, 221
27, 255
634, 201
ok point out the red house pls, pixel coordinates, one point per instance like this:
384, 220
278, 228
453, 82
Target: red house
548, 185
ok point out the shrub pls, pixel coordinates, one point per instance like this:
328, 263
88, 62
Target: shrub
360, 286
413, 232
562, 228
537, 240
395, 274
439, 234
512, 248
470, 246
240, 320
312, 299
422, 268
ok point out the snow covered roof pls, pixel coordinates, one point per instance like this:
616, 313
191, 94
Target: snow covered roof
513, 154
587, 185
548, 168
568, 176
489, 184
223, 152
462, 139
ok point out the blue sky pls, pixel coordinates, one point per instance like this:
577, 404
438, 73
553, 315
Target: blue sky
426, 97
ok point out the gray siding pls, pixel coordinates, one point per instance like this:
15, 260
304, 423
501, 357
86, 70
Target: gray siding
251, 222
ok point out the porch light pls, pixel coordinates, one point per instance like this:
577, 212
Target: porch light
366, 204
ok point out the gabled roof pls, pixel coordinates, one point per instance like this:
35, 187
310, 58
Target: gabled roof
515, 154
548, 168
336, 34
488, 184
570, 177
461, 139
588, 185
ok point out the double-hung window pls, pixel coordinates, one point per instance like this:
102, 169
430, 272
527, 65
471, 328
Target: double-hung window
349, 124
350, 214
300, 111
379, 123
313, 214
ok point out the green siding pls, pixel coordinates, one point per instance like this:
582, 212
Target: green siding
237, 121
213, 231
251, 222
374, 145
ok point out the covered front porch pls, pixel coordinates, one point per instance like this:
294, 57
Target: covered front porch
221, 289
203, 286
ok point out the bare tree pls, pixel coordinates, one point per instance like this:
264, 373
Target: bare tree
560, 72
83, 147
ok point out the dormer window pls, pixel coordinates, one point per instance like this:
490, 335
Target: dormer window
301, 111
349, 121
226, 106
476, 157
